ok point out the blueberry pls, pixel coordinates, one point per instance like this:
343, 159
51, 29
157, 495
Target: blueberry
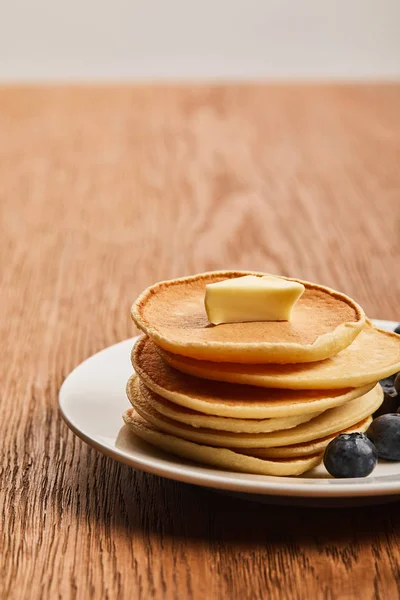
391, 399
397, 330
384, 432
397, 383
350, 455
389, 405
388, 386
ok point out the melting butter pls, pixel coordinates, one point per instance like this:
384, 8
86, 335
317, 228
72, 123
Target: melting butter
251, 298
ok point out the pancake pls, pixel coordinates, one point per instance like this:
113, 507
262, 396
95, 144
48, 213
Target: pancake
172, 313
306, 448
196, 419
373, 355
227, 399
331, 421
217, 457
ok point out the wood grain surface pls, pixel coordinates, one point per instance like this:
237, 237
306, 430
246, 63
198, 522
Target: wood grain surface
105, 190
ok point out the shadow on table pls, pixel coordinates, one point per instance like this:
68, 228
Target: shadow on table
137, 502
188, 511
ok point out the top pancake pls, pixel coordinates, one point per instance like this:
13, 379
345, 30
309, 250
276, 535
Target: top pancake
172, 313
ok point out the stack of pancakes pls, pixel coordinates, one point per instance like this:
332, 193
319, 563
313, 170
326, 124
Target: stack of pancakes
258, 397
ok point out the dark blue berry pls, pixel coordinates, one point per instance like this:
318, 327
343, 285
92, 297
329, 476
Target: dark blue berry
391, 399
384, 432
389, 405
388, 386
397, 330
350, 455
397, 383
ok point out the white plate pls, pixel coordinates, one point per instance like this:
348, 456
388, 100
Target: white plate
92, 400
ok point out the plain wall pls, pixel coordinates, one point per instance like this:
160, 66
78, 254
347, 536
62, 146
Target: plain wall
179, 39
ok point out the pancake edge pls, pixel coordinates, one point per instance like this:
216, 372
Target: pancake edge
234, 411
307, 448
229, 424
196, 369
222, 458
228, 439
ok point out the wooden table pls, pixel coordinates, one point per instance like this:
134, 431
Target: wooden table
106, 190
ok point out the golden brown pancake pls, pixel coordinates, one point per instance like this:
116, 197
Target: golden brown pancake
373, 355
172, 313
216, 457
228, 399
329, 422
306, 448
197, 419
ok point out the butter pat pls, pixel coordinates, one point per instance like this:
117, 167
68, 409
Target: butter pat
251, 298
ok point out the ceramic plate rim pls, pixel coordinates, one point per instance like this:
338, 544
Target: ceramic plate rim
218, 479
